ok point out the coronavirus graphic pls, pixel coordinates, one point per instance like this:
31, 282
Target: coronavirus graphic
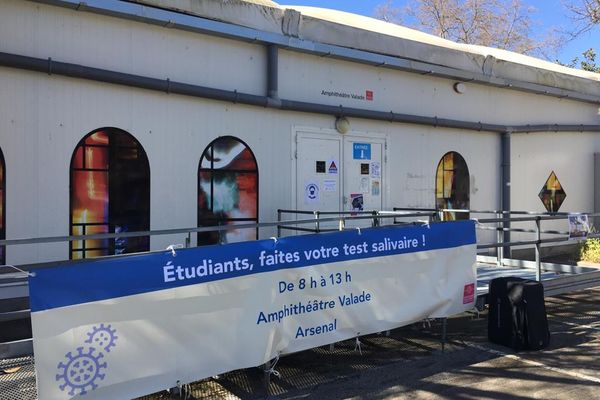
81, 371
102, 337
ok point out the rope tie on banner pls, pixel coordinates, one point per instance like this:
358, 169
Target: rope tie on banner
172, 248
27, 273
425, 223
358, 230
427, 323
272, 370
357, 345
274, 239
184, 390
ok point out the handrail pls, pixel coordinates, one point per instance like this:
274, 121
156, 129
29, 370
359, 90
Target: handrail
54, 239
495, 211
292, 224
503, 217
342, 217
17, 285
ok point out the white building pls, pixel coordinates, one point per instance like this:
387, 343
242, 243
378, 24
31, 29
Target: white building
108, 107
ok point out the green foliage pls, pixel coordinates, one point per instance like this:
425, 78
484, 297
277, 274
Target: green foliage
590, 250
587, 62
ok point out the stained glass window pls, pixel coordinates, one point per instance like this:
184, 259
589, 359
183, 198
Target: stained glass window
110, 192
452, 186
227, 190
2, 208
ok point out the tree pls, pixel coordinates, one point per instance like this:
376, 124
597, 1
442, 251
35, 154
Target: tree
588, 63
586, 16
585, 13
504, 24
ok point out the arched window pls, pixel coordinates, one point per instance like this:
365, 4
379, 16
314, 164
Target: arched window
2, 207
452, 186
227, 190
110, 192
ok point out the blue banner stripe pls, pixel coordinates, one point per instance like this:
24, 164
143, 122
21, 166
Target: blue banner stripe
103, 279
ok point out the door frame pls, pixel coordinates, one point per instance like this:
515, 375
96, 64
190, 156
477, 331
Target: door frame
354, 134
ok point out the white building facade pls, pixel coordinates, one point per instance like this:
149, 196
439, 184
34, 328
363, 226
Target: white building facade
224, 112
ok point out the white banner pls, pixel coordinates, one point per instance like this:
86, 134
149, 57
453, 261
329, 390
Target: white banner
125, 327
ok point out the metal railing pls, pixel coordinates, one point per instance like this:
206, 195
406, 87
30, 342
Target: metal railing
498, 221
502, 222
341, 217
376, 218
13, 285
13, 282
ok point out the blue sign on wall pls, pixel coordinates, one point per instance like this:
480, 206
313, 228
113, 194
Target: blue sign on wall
361, 151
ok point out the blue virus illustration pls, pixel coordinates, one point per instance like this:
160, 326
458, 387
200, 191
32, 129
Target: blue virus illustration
102, 337
81, 371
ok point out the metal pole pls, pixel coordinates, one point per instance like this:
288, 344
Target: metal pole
279, 221
317, 225
221, 234
444, 329
188, 240
499, 236
505, 191
538, 263
375, 220
272, 71
267, 376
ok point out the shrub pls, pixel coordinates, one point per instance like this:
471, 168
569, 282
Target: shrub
590, 250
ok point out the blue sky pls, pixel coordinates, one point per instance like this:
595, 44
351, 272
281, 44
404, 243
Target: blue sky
548, 14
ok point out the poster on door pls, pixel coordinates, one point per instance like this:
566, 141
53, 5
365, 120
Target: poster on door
332, 167
375, 169
357, 202
330, 185
311, 193
375, 189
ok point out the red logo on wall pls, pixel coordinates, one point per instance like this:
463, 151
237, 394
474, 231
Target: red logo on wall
369, 95
469, 293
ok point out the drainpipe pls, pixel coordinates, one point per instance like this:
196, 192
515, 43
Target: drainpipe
273, 76
505, 190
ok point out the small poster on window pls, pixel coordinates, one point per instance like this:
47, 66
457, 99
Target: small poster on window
579, 227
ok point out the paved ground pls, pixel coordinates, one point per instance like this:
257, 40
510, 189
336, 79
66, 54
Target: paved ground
409, 364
